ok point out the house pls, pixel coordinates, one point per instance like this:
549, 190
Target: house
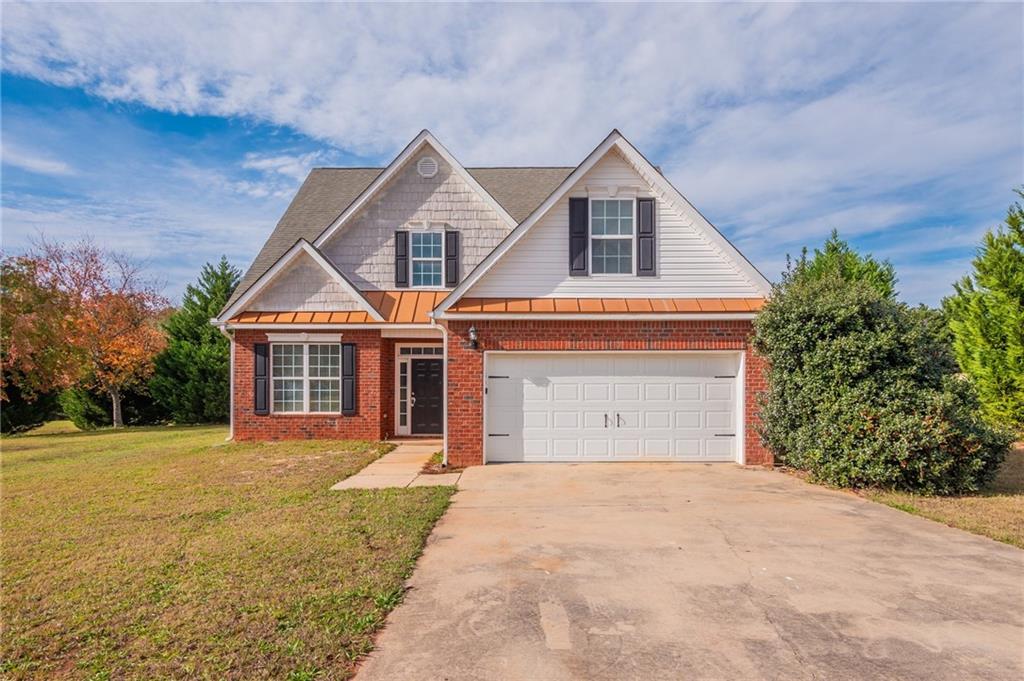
584, 313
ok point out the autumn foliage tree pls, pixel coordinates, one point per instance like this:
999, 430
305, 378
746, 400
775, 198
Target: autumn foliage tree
92, 320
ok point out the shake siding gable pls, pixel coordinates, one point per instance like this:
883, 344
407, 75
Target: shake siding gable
364, 249
304, 286
687, 264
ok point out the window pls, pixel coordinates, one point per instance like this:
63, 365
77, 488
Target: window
306, 378
611, 236
427, 258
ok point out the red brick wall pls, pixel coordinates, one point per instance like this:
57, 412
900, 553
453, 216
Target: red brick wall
465, 365
374, 395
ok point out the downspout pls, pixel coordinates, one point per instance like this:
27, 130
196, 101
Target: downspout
443, 328
231, 377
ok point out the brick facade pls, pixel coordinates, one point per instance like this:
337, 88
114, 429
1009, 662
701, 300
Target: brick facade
373, 396
465, 365
375, 416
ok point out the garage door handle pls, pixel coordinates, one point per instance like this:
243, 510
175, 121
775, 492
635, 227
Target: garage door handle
725, 434
497, 434
606, 420
617, 424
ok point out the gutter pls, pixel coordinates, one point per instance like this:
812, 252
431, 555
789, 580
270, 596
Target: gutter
443, 328
223, 328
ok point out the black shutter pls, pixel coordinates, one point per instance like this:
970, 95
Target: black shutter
261, 382
401, 259
645, 239
348, 379
451, 259
578, 237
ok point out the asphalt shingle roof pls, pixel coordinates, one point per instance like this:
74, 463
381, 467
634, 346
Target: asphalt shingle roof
327, 192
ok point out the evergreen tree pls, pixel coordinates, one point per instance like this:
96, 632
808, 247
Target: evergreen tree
986, 315
191, 380
837, 258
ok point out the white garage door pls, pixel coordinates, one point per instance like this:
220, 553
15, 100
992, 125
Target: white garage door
611, 406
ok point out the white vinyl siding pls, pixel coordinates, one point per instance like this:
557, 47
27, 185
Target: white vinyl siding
306, 377
689, 265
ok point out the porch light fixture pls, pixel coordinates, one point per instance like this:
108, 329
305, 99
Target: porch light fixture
473, 338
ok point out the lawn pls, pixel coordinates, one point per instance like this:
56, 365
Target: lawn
167, 552
998, 512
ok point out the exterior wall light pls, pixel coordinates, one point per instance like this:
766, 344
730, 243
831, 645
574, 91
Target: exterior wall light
473, 338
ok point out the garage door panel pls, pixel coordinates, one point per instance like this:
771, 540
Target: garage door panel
608, 406
657, 419
657, 391
597, 392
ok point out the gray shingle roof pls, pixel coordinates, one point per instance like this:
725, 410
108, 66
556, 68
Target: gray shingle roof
327, 192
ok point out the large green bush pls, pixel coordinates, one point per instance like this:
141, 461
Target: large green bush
862, 390
20, 412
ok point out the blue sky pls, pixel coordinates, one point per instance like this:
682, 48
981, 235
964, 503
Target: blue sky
179, 132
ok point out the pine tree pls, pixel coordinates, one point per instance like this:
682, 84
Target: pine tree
986, 315
191, 380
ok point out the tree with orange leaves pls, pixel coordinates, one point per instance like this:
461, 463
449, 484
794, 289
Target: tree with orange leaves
98, 327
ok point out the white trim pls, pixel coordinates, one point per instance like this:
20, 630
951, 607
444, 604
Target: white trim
305, 378
411, 333
444, 402
311, 325
424, 138
413, 259
301, 246
610, 237
406, 431
614, 139
604, 316
304, 338
231, 391
740, 451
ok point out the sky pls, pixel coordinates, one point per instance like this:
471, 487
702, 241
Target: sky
179, 133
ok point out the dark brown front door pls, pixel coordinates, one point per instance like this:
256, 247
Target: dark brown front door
427, 388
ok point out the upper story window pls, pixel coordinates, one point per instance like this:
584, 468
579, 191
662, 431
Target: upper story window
612, 226
427, 252
306, 377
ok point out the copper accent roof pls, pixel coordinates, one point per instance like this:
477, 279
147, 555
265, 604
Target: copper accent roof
607, 305
397, 307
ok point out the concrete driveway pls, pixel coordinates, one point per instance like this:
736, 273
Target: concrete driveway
657, 571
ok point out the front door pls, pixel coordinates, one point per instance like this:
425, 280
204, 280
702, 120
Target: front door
427, 397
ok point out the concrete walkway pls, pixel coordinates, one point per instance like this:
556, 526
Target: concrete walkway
400, 468
683, 571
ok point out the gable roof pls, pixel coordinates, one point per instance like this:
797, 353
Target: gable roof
328, 192
615, 139
301, 247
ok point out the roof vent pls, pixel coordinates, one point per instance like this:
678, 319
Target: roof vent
427, 166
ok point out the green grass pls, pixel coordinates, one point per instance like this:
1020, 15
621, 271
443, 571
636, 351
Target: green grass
997, 512
166, 552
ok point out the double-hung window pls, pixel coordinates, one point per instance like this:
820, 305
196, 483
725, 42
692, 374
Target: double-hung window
427, 258
612, 226
306, 377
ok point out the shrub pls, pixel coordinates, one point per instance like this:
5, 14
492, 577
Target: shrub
19, 412
862, 390
89, 409
79, 405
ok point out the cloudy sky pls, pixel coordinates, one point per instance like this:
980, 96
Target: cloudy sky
179, 132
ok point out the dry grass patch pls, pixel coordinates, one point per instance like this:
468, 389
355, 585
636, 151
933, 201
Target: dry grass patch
166, 552
998, 512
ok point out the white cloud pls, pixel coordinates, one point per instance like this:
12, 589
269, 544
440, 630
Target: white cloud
778, 121
34, 162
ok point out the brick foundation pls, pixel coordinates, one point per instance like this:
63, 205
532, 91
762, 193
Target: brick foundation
466, 380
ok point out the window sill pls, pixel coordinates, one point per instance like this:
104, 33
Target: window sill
305, 413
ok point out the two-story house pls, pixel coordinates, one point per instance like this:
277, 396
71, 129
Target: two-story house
585, 313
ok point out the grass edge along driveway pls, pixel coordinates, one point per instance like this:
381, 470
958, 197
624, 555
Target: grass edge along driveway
167, 552
997, 512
